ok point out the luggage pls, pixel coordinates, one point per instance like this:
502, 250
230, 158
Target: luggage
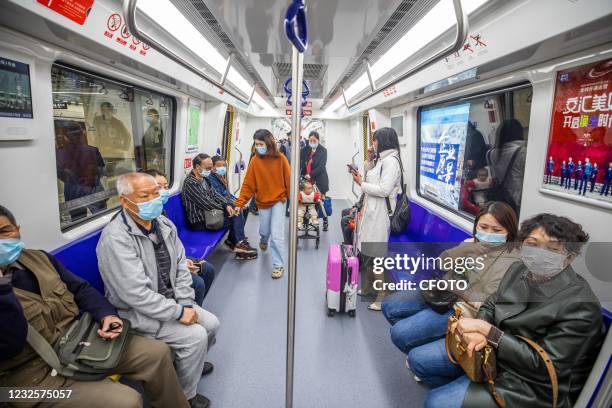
342, 280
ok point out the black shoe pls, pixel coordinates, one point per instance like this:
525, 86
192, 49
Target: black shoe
325, 225
199, 401
245, 256
287, 214
208, 368
243, 247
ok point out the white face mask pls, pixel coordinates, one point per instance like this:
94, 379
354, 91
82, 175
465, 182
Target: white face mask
542, 262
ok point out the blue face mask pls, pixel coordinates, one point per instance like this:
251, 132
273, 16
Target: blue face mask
164, 195
313, 145
222, 171
491, 237
261, 150
151, 209
149, 120
205, 173
10, 249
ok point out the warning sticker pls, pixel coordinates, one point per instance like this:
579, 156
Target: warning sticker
117, 30
75, 10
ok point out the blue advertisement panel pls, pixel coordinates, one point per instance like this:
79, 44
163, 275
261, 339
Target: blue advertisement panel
15, 94
443, 136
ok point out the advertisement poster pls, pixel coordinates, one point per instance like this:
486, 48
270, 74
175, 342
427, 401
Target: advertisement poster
443, 135
15, 94
193, 129
578, 162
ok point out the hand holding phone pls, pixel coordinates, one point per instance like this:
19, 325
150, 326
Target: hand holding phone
352, 168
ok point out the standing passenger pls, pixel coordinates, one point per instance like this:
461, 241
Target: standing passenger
313, 159
382, 178
268, 178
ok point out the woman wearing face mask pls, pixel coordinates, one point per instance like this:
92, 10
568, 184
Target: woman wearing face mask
379, 187
414, 322
541, 299
268, 178
313, 162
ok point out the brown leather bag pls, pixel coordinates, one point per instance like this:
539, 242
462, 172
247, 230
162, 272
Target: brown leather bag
480, 367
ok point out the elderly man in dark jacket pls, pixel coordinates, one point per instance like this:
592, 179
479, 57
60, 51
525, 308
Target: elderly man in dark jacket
541, 299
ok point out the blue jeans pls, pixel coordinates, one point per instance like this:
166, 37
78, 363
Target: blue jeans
430, 363
208, 275
272, 228
235, 225
199, 287
414, 322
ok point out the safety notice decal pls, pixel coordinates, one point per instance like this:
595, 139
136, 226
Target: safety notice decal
75, 10
117, 30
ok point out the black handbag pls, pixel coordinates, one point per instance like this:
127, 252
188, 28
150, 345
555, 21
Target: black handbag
439, 300
214, 219
400, 218
81, 354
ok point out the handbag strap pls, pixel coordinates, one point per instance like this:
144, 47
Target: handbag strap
552, 373
46, 352
403, 186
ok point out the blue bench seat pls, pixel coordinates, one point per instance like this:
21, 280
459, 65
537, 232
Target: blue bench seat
80, 256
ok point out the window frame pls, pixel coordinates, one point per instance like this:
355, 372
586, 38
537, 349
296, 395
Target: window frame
173, 112
506, 92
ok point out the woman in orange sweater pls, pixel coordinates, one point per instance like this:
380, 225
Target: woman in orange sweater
268, 177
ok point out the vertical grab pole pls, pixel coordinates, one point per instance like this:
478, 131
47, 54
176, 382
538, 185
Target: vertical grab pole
297, 73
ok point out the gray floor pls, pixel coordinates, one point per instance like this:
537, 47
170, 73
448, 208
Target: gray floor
339, 361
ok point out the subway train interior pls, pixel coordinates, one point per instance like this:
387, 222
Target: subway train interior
304, 119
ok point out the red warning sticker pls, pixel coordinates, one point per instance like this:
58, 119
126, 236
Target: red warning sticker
117, 30
75, 10
114, 22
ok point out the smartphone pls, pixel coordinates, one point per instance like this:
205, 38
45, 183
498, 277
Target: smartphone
352, 168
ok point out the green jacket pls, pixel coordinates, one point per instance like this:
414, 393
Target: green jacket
563, 316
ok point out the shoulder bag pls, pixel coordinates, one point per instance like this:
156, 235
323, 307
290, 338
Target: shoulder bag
400, 218
214, 219
81, 354
482, 365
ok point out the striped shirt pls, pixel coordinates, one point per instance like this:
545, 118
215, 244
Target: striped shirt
198, 197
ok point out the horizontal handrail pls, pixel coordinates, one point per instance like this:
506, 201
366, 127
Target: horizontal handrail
462, 33
129, 11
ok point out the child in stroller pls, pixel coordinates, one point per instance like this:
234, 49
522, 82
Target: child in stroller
308, 200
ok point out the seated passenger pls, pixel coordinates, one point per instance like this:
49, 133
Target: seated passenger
203, 273
25, 276
143, 266
308, 200
413, 320
218, 180
199, 196
543, 300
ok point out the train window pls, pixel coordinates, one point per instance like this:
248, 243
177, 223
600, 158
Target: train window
473, 150
104, 128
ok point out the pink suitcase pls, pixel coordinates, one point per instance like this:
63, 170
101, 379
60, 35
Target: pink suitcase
342, 280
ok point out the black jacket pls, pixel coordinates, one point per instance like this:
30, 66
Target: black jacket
563, 316
318, 172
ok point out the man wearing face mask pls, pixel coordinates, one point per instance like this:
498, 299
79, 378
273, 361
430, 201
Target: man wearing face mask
199, 196
142, 263
153, 141
541, 299
36, 289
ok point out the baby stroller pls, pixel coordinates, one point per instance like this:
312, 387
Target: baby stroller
308, 229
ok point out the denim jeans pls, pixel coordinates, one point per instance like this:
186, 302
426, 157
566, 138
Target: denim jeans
235, 225
199, 287
430, 363
272, 228
207, 273
413, 322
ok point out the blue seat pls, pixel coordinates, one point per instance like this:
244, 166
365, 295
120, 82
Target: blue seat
80, 256
198, 244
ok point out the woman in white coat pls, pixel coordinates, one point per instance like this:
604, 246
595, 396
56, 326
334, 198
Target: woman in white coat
382, 180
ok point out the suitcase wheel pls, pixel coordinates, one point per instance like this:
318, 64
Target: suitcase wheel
331, 312
352, 313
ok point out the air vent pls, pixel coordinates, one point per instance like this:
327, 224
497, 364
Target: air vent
390, 31
207, 24
282, 70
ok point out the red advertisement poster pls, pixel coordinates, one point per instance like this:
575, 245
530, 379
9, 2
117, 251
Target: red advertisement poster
76, 10
579, 156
